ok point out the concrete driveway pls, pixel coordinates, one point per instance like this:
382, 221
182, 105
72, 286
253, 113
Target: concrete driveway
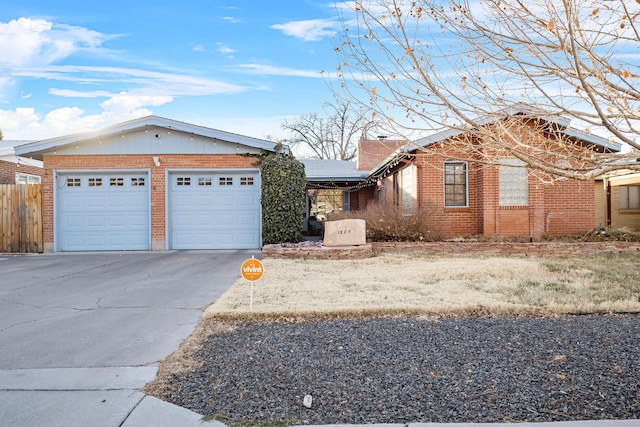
81, 333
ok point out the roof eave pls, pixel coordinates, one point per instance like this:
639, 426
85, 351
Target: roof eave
38, 147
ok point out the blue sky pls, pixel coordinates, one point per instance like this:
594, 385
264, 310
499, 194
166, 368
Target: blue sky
236, 65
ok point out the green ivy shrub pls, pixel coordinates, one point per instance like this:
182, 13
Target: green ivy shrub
283, 198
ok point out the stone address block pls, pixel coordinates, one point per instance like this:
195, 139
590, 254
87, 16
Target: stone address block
345, 232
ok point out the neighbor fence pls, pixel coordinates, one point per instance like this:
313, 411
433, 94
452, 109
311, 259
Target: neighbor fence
20, 218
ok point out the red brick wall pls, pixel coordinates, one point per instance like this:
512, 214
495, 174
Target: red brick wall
8, 171
569, 207
157, 181
448, 221
563, 207
373, 152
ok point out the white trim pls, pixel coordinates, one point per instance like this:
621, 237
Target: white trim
39, 147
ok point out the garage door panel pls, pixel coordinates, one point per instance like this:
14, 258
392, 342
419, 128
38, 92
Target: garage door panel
118, 221
202, 219
96, 201
248, 220
246, 199
225, 220
211, 216
246, 239
95, 221
94, 215
73, 201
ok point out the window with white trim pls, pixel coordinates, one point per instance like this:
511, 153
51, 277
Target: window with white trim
408, 191
25, 178
455, 184
513, 182
629, 197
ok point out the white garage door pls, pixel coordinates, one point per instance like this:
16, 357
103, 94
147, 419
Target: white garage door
102, 211
215, 210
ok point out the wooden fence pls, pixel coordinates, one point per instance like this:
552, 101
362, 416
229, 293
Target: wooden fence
20, 218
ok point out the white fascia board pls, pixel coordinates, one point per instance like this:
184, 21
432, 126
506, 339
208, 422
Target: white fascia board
141, 123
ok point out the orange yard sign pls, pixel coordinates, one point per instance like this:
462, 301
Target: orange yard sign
252, 269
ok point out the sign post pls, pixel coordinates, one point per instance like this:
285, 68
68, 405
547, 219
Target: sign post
252, 270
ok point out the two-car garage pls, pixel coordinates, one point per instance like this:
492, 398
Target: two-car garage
206, 209
150, 183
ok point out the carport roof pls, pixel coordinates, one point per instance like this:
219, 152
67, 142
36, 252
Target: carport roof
36, 149
332, 170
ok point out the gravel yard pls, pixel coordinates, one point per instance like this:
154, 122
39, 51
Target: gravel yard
410, 369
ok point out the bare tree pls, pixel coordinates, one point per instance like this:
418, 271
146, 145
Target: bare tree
333, 135
469, 66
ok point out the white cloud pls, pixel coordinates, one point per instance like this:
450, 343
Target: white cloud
141, 81
226, 50
28, 41
309, 30
198, 48
68, 93
125, 103
281, 71
26, 123
232, 20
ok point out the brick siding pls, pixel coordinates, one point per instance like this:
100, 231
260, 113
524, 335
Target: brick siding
8, 171
555, 207
372, 152
134, 162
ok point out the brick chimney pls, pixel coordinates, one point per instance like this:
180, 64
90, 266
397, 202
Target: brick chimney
372, 152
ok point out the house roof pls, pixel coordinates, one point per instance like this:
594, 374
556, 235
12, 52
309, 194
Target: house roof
7, 146
332, 170
564, 127
7, 153
518, 109
37, 148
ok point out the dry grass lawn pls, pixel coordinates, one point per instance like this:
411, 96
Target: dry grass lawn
436, 285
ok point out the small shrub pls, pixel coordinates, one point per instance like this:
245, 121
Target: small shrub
392, 224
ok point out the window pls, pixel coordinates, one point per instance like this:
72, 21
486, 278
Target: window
24, 178
183, 180
95, 182
246, 180
116, 182
73, 182
204, 181
137, 182
396, 189
455, 184
226, 180
514, 183
629, 197
408, 191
